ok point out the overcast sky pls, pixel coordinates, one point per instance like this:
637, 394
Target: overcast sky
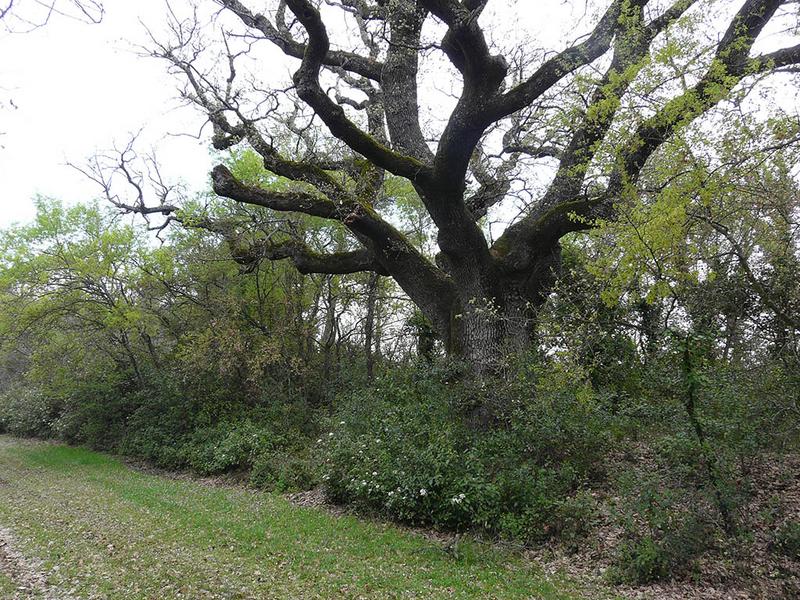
81, 88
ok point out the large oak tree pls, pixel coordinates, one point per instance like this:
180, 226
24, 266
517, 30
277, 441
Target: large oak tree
355, 113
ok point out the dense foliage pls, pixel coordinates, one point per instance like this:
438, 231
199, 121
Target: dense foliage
566, 315
665, 375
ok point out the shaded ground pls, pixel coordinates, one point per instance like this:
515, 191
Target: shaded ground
747, 568
102, 530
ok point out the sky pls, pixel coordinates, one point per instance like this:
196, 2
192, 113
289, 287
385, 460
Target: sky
79, 89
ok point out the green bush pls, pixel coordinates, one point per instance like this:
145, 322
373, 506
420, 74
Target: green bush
159, 426
284, 471
417, 454
641, 561
27, 412
154, 444
225, 447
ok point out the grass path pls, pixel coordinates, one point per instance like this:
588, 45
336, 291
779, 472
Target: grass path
102, 530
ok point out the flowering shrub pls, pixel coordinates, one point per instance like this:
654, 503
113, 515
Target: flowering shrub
414, 454
25, 412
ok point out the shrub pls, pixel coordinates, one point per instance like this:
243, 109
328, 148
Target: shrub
26, 412
225, 447
787, 539
418, 454
284, 471
641, 561
159, 426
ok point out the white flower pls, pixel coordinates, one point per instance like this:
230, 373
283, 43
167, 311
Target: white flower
341, 422
319, 441
330, 434
423, 492
374, 473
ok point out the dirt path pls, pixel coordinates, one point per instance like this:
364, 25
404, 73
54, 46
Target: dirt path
26, 574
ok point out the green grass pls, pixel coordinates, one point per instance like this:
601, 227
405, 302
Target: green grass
104, 530
7, 587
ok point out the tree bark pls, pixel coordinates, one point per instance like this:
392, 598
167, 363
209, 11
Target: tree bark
369, 322
329, 333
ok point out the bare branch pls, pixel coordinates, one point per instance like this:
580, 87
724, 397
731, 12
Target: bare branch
364, 66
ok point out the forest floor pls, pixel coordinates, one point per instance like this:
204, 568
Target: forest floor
76, 524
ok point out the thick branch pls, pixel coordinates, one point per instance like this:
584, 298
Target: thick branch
480, 105
306, 80
597, 44
225, 184
305, 259
729, 65
778, 59
399, 81
466, 45
670, 15
425, 283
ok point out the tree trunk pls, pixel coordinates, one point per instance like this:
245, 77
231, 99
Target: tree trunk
488, 329
369, 322
329, 333
488, 335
